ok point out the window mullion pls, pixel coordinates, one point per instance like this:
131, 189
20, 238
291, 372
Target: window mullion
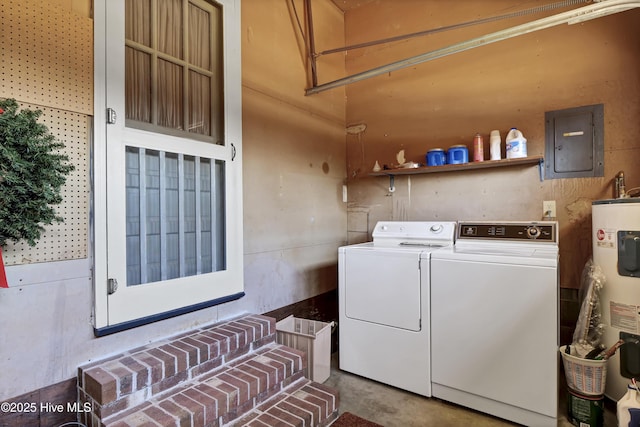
181, 215
163, 217
198, 217
185, 70
161, 55
214, 91
143, 215
214, 216
154, 62
217, 226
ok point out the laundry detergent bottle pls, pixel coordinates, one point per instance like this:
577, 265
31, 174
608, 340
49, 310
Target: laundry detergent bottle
629, 408
494, 145
516, 144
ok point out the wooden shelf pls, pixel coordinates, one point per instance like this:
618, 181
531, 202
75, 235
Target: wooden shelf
463, 166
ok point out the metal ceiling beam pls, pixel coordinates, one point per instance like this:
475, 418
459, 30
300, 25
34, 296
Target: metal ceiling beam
585, 13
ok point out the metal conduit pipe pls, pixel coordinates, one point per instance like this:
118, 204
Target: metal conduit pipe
585, 13
312, 43
538, 9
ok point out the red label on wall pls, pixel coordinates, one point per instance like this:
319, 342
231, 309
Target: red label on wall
3, 276
600, 234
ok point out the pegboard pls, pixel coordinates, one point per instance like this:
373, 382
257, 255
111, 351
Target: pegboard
46, 55
67, 240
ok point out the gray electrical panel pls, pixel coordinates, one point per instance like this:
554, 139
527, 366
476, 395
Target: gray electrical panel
574, 145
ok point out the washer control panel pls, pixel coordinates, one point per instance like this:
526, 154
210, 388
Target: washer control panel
411, 231
544, 231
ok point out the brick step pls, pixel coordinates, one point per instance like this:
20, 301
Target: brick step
303, 404
124, 381
221, 396
211, 376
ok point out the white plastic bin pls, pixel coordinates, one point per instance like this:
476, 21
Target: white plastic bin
312, 337
586, 376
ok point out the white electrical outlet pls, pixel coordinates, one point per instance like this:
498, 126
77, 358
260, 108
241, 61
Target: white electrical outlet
549, 208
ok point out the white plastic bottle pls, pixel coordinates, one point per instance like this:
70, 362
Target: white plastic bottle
516, 144
629, 408
494, 145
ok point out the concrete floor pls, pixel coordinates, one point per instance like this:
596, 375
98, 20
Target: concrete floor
393, 407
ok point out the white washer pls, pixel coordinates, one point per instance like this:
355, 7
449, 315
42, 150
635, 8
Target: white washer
383, 299
494, 320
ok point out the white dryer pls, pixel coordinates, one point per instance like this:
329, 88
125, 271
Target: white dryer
383, 299
494, 320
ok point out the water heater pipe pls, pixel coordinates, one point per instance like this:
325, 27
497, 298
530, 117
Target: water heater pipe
585, 13
621, 191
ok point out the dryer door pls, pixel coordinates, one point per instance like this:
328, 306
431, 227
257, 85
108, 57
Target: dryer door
383, 287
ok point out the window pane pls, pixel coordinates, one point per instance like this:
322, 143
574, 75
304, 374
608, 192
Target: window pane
174, 59
137, 85
190, 215
170, 95
138, 22
175, 216
199, 104
152, 193
217, 79
172, 215
205, 216
170, 29
199, 37
133, 216
217, 105
218, 217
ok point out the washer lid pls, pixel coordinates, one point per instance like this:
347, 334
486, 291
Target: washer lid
527, 254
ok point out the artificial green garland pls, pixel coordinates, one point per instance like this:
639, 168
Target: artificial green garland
32, 172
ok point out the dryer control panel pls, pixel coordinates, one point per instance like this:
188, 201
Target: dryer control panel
544, 231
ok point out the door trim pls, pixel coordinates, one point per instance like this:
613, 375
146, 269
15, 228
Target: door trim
108, 330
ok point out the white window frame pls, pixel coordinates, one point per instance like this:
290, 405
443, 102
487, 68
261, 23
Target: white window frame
100, 169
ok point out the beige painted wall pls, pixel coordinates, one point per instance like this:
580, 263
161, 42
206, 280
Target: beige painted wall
510, 83
294, 169
294, 157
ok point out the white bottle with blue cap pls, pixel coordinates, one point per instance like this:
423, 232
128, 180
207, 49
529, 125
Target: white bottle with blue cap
516, 144
629, 407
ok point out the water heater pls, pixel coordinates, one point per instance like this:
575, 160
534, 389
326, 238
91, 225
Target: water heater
616, 249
